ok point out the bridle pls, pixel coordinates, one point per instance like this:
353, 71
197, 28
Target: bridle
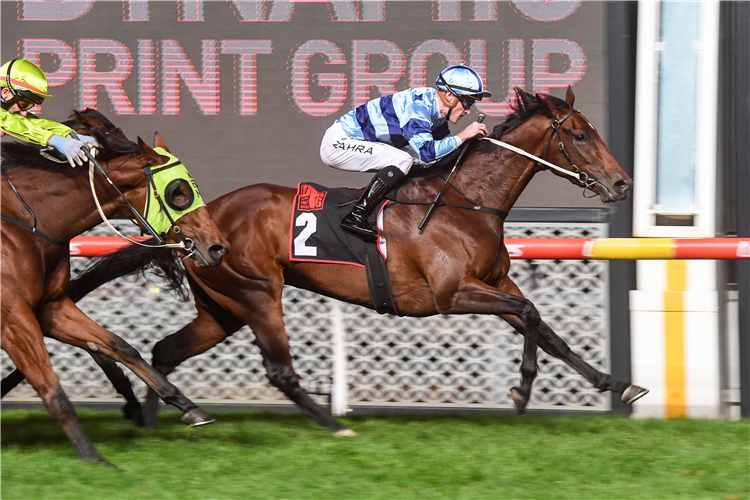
575, 172
185, 243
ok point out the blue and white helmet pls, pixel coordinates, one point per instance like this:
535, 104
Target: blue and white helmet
462, 81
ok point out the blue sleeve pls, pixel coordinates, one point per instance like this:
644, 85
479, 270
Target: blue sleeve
417, 129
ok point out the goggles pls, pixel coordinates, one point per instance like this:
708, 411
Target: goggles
24, 104
466, 100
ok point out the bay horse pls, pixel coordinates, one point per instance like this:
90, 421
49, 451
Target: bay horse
468, 276
44, 205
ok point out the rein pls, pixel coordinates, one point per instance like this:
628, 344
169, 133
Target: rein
31, 229
574, 171
185, 243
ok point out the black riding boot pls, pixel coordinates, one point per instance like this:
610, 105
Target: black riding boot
356, 221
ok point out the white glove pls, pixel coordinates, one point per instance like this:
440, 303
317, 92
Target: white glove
71, 148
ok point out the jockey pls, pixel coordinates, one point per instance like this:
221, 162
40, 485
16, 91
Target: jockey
372, 137
24, 86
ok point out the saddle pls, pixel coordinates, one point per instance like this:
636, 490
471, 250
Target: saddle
317, 236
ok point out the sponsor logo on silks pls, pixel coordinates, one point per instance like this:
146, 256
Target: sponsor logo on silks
310, 199
356, 148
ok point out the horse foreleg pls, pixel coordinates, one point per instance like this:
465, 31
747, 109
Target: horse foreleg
554, 345
63, 321
23, 342
476, 297
272, 339
200, 335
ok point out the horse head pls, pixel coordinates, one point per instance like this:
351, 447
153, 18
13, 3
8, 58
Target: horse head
575, 144
167, 195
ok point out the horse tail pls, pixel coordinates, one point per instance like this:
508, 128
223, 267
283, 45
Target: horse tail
130, 260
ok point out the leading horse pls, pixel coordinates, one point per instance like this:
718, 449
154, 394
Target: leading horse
469, 274
44, 205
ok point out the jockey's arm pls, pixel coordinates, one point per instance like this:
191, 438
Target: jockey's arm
31, 128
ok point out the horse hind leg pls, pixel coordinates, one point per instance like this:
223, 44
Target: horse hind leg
132, 409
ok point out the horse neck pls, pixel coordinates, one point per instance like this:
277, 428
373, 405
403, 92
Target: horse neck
62, 201
498, 178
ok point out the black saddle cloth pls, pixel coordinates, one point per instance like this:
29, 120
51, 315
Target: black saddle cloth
316, 233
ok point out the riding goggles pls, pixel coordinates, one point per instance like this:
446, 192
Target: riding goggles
467, 100
161, 209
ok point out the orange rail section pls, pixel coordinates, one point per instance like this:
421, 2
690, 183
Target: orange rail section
539, 248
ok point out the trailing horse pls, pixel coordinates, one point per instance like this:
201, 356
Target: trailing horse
468, 276
44, 205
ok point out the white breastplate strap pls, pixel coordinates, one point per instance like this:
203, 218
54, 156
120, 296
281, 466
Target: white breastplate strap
520, 151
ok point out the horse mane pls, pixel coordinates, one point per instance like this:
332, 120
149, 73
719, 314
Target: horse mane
113, 145
130, 260
526, 105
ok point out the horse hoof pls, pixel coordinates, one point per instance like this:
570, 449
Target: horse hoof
633, 393
197, 416
346, 433
518, 400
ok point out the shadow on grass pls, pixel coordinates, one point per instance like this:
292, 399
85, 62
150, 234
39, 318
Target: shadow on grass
33, 429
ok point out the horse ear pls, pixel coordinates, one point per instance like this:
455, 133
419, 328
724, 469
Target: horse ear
570, 97
150, 155
159, 142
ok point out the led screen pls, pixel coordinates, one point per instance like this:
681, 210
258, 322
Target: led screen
243, 91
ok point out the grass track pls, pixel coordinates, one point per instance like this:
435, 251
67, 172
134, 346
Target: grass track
251, 455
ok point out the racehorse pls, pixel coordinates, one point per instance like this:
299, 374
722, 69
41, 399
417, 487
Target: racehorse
44, 205
469, 275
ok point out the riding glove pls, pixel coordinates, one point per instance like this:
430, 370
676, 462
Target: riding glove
90, 141
71, 148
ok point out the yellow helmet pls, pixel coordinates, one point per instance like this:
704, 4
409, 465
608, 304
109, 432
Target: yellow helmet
25, 80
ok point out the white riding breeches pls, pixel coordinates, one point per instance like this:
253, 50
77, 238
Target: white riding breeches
340, 151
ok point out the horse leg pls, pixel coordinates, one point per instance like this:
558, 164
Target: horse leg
475, 297
204, 332
552, 344
63, 321
22, 340
272, 339
132, 409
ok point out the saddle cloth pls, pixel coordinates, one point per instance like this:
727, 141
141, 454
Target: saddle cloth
316, 233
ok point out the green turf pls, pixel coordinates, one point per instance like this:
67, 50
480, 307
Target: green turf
250, 455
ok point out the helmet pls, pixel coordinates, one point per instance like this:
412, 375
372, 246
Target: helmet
462, 81
25, 80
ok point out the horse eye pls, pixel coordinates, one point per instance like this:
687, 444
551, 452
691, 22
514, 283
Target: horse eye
580, 137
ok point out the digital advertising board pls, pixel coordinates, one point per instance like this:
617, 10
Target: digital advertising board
242, 91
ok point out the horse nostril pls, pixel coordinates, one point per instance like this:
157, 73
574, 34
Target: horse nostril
217, 251
622, 186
